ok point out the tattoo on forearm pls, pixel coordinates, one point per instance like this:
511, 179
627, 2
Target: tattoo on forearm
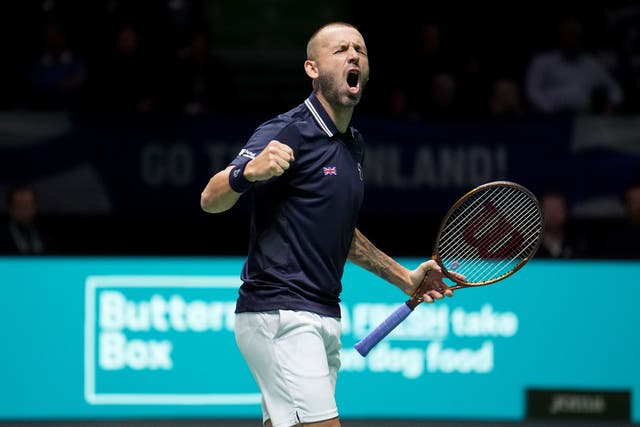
367, 256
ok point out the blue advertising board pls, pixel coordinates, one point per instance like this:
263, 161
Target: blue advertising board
95, 338
103, 165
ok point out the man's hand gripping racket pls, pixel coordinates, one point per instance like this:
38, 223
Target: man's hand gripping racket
486, 236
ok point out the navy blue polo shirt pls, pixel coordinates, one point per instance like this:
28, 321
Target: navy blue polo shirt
303, 221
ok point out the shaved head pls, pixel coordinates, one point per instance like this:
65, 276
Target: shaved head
338, 66
315, 40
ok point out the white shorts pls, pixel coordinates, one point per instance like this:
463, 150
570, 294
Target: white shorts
294, 357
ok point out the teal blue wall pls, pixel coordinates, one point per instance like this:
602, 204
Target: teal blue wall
153, 337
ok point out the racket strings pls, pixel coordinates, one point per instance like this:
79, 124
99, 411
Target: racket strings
495, 266
507, 265
505, 223
479, 270
505, 243
512, 251
498, 234
462, 219
501, 266
469, 209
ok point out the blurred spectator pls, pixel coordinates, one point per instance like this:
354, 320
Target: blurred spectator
624, 49
125, 80
442, 101
21, 235
570, 80
399, 104
558, 240
623, 241
203, 84
58, 75
505, 100
433, 90
432, 55
473, 83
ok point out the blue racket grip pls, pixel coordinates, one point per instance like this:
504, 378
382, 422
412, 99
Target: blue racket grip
367, 343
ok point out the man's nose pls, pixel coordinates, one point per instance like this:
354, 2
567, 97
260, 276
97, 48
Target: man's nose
354, 57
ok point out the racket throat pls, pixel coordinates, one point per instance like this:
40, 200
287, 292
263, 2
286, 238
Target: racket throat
413, 303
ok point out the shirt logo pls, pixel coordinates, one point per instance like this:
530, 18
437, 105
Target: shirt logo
330, 170
246, 153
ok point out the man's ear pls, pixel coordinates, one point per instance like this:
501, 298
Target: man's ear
311, 68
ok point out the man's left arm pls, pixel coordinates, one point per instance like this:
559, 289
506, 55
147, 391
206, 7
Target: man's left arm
364, 254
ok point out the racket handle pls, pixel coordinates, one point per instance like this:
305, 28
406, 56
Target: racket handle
367, 343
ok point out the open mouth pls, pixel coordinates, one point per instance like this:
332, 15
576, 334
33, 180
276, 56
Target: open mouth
352, 79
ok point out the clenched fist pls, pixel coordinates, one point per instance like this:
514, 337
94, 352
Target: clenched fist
272, 161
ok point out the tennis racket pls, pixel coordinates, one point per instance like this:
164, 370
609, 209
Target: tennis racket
487, 235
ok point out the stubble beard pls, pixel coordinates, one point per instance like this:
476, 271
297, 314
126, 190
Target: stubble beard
329, 88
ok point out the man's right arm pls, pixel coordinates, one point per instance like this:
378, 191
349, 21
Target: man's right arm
218, 196
274, 160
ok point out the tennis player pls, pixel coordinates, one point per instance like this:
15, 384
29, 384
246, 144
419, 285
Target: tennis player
304, 169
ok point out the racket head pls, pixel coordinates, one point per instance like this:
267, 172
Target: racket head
489, 233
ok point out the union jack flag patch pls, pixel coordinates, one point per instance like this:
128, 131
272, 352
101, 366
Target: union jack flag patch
330, 170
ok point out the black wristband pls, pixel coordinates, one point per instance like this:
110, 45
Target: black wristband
237, 181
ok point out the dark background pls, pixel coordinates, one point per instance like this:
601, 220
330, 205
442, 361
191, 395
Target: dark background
255, 52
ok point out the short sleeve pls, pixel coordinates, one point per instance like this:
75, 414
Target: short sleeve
289, 135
